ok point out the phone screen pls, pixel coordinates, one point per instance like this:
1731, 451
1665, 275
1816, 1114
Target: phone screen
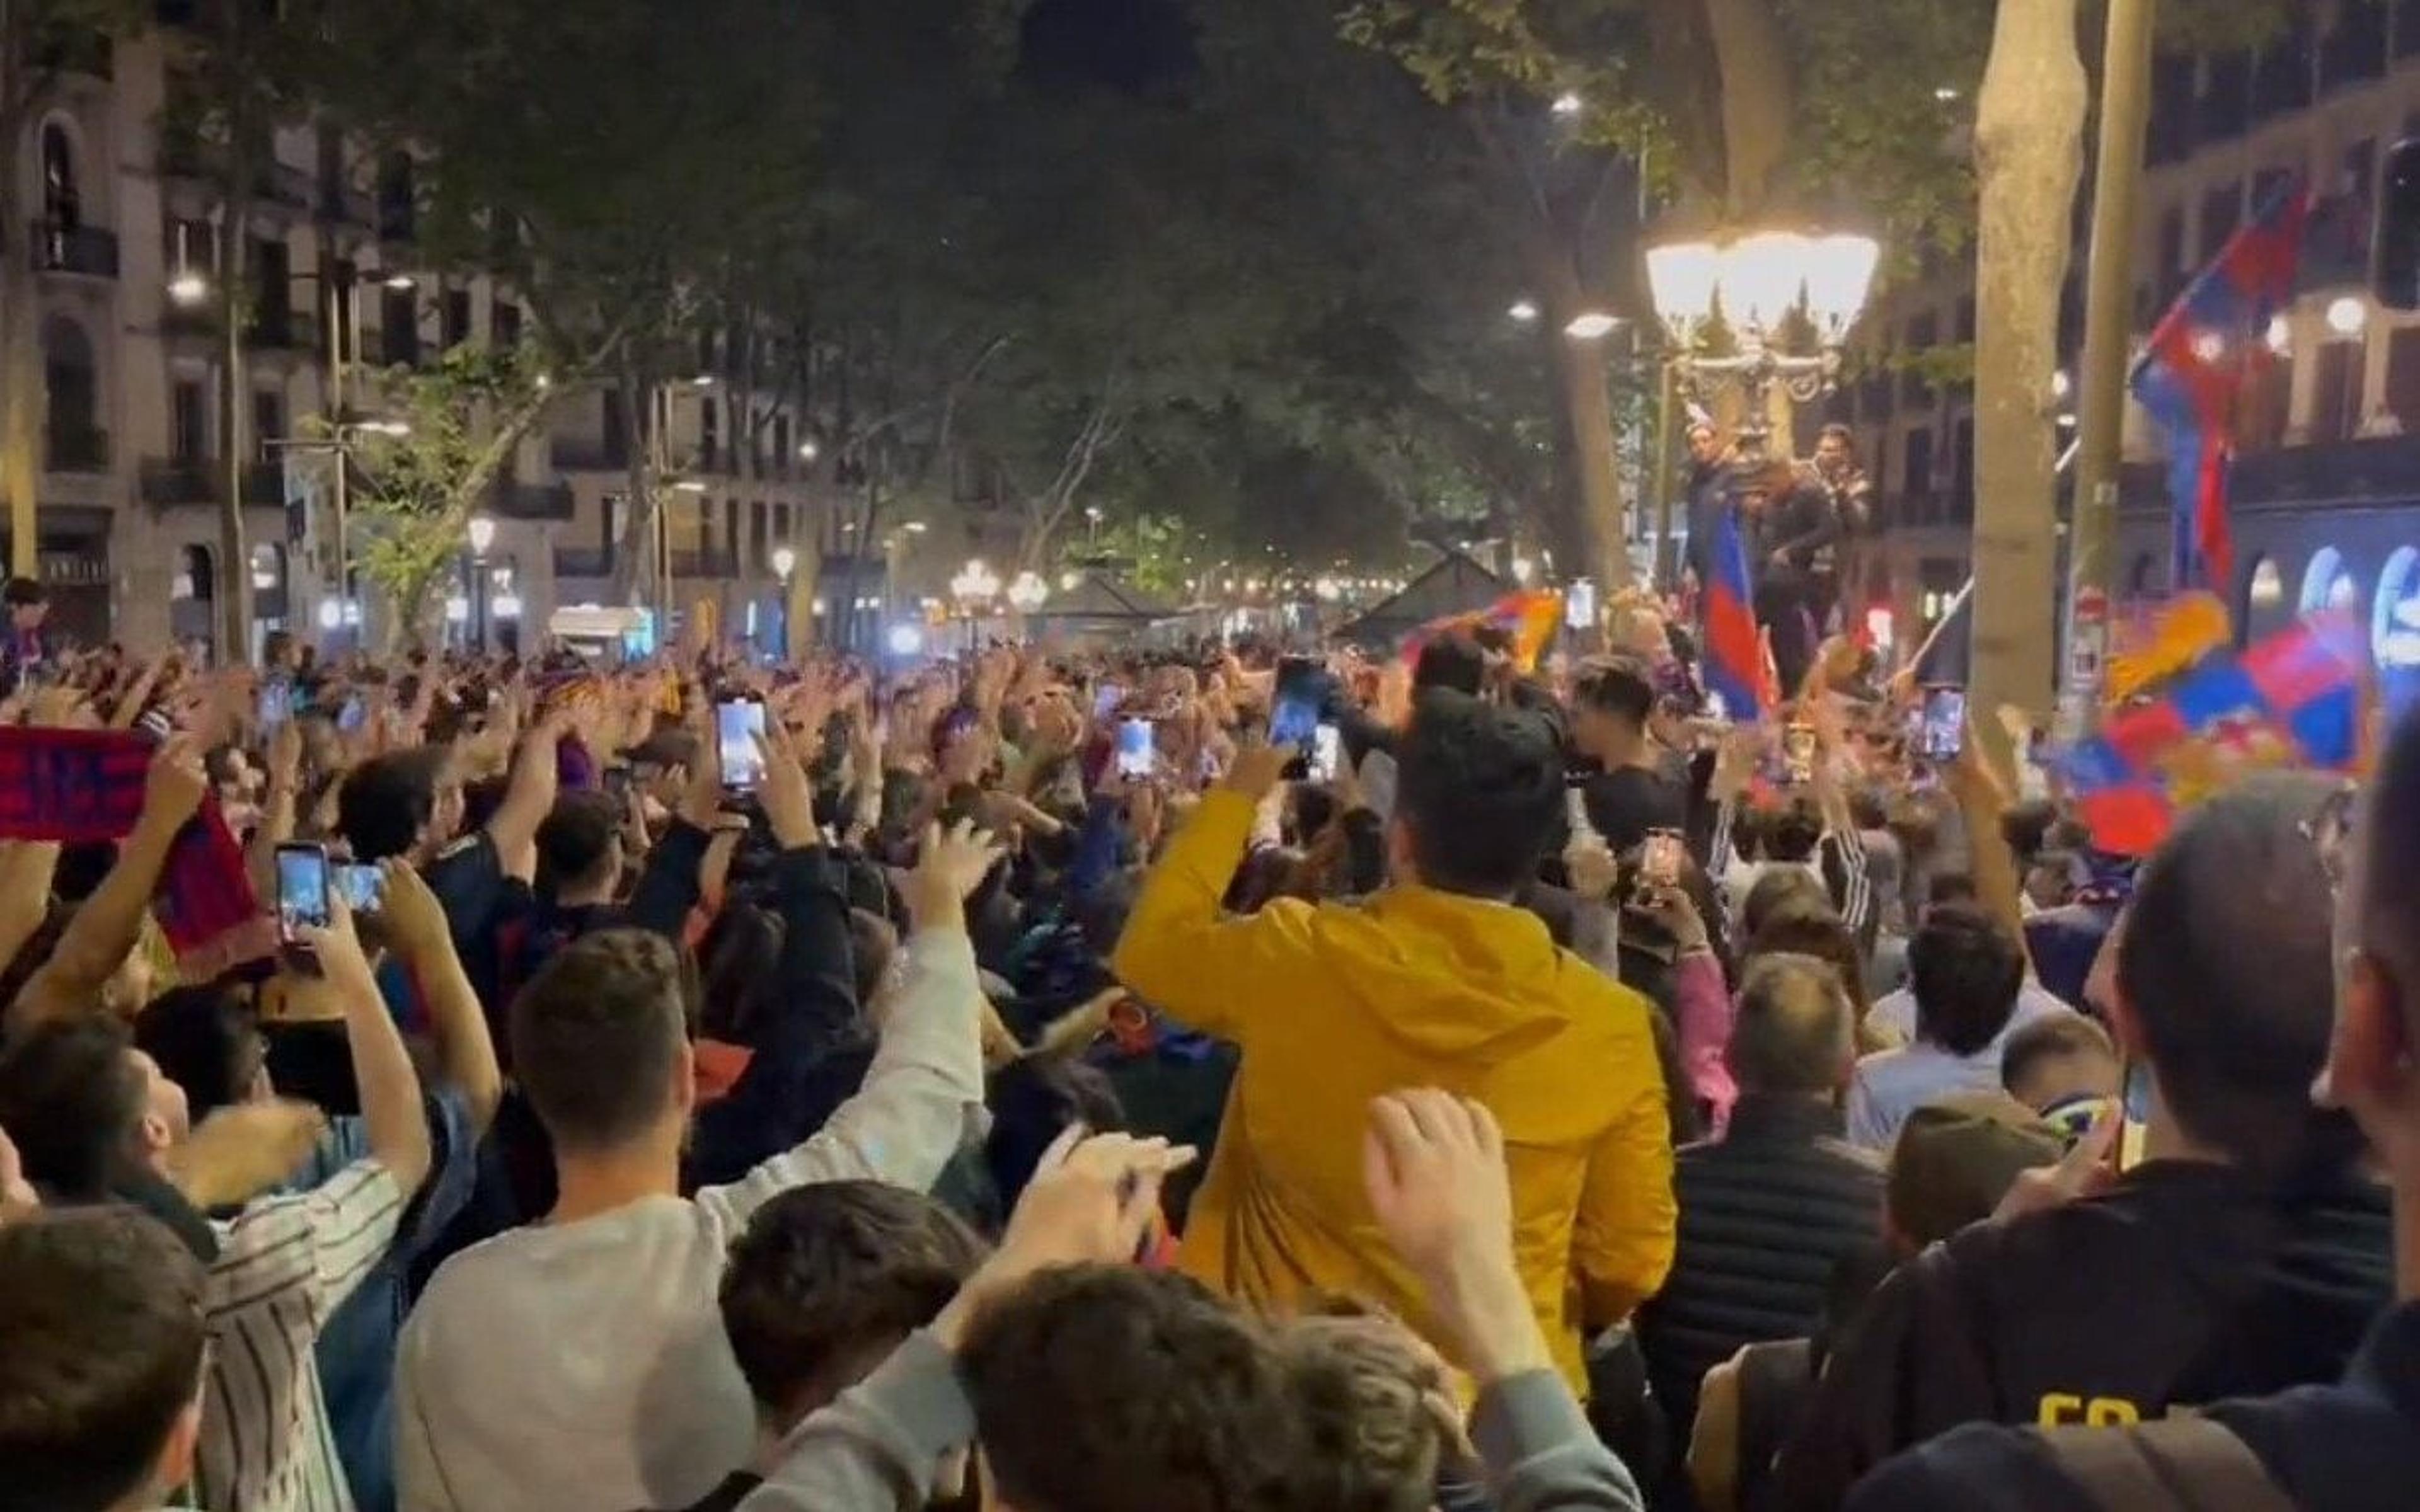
736, 725
2137, 1113
1943, 731
364, 888
1326, 752
301, 889
1138, 746
1107, 698
1798, 753
1294, 706
351, 713
276, 704
1659, 858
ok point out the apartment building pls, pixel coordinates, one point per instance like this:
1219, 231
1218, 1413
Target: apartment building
2327, 487
133, 468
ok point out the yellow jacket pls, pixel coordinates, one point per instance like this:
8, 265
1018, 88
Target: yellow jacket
1333, 1006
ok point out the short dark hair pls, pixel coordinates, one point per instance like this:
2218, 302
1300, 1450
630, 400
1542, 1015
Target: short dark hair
1965, 973
1792, 833
1793, 1030
103, 1311
2227, 968
73, 1101
1452, 661
596, 1037
386, 802
576, 839
1111, 1389
24, 592
828, 1279
1617, 686
2051, 1037
1480, 789
206, 1040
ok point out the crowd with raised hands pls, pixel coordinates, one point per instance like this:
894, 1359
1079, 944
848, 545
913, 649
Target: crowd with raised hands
1206, 1078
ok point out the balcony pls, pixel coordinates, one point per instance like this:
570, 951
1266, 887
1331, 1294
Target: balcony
168, 483
704, 564
75, 449
85, 250
532, 501
2301, 477
583, 561
281, 183
580, 454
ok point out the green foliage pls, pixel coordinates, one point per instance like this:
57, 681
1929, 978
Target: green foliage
467, 411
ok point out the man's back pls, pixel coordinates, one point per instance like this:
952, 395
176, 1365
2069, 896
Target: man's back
576, 1367
1421, 988
1767, 1214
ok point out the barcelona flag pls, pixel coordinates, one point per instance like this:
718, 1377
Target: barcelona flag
1734, 657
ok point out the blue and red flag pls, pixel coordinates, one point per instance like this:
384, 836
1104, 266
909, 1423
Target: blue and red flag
1735, 655
2191, 376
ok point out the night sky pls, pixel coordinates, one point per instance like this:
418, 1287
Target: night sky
1127, 44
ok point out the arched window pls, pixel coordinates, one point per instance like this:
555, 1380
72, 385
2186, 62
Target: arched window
2328, 582
2265, 608
62, 199
2395, 616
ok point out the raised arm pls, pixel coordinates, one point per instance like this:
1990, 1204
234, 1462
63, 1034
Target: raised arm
107, 925
528, 795
416, 922
392, 1118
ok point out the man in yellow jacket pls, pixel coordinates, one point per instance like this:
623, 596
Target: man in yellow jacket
1437, 981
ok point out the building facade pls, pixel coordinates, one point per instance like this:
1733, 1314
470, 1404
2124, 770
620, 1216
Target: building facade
124, 215
2327, 488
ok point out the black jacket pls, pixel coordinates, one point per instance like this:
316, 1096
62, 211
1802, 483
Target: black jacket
1766, 1213
2183, 1286
2353, 1447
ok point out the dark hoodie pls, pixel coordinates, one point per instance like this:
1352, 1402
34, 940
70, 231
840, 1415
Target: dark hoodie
2184, 1284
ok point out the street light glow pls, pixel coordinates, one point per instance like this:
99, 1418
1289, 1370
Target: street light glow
785, 562
1681, 280
400, 281
1945, 94
688, 485
394, 429
1592, 325
808, 451
2281, 334
189, 287
1523, 311
483, 534
703, 381
2060, 385
1569, 103
2346, 315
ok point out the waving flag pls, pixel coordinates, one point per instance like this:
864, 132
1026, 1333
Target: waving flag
1735, 655
2192, 375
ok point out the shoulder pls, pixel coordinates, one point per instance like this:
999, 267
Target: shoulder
1977, 1468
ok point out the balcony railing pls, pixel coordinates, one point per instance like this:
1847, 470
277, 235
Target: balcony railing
583, 561
532, 501
285, 184
167, 481
577, 454
2323, 472
75, 449
75, 249
704, 564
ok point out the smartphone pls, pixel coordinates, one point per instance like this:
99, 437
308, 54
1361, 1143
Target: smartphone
362, 886
1941, 730
1107, 698
1137, 754
301, 890
1660, 856
738, 723
2137, 1112
1326, 752
1798, 753
276, 704
617, 782
352, 714
1294, 706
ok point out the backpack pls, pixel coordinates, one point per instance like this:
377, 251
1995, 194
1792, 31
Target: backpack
2176, 1464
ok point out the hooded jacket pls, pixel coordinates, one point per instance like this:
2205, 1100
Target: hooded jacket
1334, 1005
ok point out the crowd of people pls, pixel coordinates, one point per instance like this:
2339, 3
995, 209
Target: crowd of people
699, 1084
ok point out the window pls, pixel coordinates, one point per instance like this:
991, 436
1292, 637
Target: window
613, 425
505, 324
782, 445
273, 302
2335, 391
454, 319
782, 524
193, 248
2172, 101
710, 433
706, 353
1962, 469
2407, 30
2266, 406
346, 278
2356, 49
268, 421
189, 424
2285, 74
2226, 104
399, 327
73, 428
2221, 211
1923, 334
62, 200
756, 543
2403, 378
731, 529
2172, 249
397, 198
1915, 477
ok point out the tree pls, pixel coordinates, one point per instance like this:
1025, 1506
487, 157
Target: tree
466, 410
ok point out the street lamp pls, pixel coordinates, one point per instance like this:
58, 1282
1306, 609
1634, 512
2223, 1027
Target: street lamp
1524, 311
482, 531
2346, 315
785, 562
1568, 103
974, 587
483, 534
1027, 593
1760, 280
1591, 325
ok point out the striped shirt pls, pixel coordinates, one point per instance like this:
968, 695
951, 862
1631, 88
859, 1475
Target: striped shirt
284, 1265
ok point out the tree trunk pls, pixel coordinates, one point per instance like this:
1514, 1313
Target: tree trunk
1588, 409
634, 553
22, 383
2029, 157
235, 564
